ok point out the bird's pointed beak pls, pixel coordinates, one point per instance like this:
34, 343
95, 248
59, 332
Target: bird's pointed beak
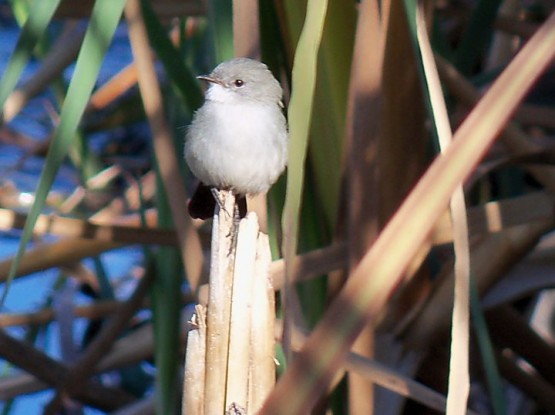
210, 79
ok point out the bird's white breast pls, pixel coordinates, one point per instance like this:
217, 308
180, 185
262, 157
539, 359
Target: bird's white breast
240, 146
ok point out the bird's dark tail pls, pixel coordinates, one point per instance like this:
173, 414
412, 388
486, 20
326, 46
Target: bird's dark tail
203, 204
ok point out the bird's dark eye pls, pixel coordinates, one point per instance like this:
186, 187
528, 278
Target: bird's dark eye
238, 83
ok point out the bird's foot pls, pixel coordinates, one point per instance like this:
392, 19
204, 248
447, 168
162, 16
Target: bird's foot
216, 195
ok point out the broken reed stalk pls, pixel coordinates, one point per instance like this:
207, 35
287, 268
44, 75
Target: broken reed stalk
235, 351
193, 378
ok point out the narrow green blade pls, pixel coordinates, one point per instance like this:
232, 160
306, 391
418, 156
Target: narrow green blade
104, 20
220, 15
32, 31
300, 112
493, 378
476, 36
180, 74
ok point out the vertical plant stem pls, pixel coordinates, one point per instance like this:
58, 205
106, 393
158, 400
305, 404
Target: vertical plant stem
459, 377
246, 28
219, 307
262, 369
195, 365
300, 112
189, 242
361, 149
241, 308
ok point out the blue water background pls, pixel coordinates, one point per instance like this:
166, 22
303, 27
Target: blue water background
29, 293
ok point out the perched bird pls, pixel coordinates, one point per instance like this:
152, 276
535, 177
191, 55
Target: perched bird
238, 139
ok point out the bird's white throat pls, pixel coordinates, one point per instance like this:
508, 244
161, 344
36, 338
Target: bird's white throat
221, 94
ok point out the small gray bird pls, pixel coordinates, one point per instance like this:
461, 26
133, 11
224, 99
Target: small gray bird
238, 139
